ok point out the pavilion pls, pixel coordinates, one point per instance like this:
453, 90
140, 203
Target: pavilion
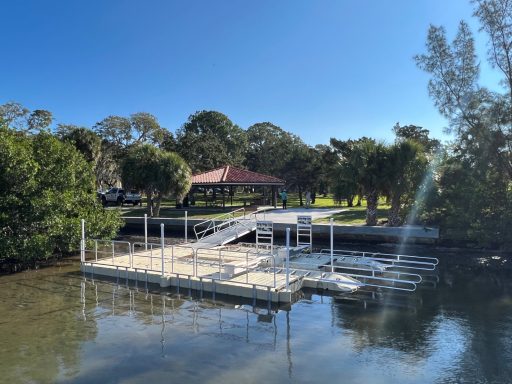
230, 177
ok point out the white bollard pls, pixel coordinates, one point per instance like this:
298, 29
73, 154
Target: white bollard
146, 231
82, 242
186, 226
332, 244
287, 258
162, 243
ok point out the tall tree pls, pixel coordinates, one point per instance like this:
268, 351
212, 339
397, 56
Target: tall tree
495, 18
174, 178
269, 148
39, 120
119, 134
328, 162
209, 140
302, 170
139, 170
141, 127
346, 172
344, 183
157, 172
417, 134
116, 130
16, 116
85, 140
369, 159
480, 119
403, 171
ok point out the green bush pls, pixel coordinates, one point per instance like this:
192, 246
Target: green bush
46, 188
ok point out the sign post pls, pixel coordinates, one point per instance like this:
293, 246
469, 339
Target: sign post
304, 231
265, 234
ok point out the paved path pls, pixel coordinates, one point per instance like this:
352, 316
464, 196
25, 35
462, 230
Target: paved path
289, 216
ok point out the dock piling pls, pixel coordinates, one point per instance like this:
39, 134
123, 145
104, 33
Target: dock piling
332, 244
146, 231
287, 259
162, 242
82, 243
186, 226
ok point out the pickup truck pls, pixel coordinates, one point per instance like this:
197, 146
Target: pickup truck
118, 196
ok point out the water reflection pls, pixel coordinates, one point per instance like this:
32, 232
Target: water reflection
40, 335
59, 326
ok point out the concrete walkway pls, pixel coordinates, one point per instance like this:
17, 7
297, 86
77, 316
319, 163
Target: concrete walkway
289, 216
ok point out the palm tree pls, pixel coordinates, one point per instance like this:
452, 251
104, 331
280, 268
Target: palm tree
344, 183
403, 169
368, 158
174, 177
156, 172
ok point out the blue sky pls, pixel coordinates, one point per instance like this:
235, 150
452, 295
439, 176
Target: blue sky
319, 69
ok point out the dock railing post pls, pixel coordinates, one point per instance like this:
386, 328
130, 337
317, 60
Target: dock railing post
146, 231
82, 242
332, 244
162, 247
287, 258
186, 226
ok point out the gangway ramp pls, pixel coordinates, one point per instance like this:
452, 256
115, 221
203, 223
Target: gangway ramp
224, 229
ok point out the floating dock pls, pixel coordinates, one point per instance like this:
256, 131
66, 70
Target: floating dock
258, 271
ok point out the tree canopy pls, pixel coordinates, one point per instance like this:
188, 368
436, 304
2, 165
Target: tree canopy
141, 127
209, 139
269, 148
157, 172
482, 123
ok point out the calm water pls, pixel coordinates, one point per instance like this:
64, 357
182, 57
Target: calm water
59, 326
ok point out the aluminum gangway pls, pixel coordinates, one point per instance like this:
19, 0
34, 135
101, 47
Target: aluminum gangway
224, 228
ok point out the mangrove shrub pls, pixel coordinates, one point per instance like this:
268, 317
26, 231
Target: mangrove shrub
46, 187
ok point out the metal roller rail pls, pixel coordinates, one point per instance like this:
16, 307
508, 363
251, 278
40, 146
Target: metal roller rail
420, 263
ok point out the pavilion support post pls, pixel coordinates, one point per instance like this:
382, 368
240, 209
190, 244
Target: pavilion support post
274, 196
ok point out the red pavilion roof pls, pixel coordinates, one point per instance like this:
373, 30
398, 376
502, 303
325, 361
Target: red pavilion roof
234, 176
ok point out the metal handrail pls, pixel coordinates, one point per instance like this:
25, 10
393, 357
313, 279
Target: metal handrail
212, 223
411, 284
222, 254
259, 212
417, 278
434, 261
393, 258
145, 245
389, 263
113, 253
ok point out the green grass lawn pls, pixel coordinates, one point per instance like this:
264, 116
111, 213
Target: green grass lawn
355, 215
320, 201
350, 215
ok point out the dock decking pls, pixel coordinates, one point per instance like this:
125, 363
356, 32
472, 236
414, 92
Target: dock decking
216, 270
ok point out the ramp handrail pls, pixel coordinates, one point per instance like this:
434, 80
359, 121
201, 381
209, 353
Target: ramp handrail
218, 223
